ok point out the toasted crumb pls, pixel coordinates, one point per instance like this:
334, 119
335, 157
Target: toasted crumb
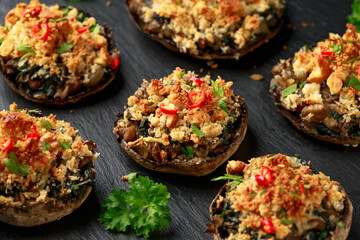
201, 70
285, 47
257, 77
108, 3
212, 64
305, 25
124, 178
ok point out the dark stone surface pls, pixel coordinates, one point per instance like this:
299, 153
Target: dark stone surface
268, 132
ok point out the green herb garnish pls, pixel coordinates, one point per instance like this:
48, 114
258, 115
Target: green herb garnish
182, 74
219, 91
151, 103
143, 208
80, 17
277, 104
340, 224
307, 186
289, 90
251, 195
58, 20
14, 167
354, 17
46, 146
286, 221
352, 82
1, 40
236, 180
273, 156
197, 131
95, 29
282, 189
46, 124
294, 194
352, 60
253, 36
188, 151
337, 48
283, 212
326, 59
264, 191
64, 48
65, 145
25, 48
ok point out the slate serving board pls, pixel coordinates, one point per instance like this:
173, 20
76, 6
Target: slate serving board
268, 131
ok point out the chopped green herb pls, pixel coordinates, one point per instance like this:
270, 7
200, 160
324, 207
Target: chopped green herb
289, 90
323, 235
294, 194
32, 112
273, 156
283, 212
215, 5
197, 131
307, 186
307, 47
219, 91
285, 221
264, 191
151, 103
65, 145
278, 104
95, 29
14, 167
188, 151
340, 224
46, 124
25, 48
46, 146
301, 85
58, 20
251, 195
253, 36
352, 82
64, 48
338, 48
236, 180
80, 17
1, 40
326, 59
182, 74
223, 105
282, 189
352, 60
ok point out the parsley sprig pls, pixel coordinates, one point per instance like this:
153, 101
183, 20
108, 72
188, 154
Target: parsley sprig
143, 208
236, 180
352, 82
14, 167
25, 48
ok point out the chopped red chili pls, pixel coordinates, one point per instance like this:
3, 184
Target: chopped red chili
32, 11
83, 29
6, 144
43, 29
268, 226
266, 172
34, 134
326, 53
115, 63
302, 188
198, 103
167, 110
196, 80
260, 179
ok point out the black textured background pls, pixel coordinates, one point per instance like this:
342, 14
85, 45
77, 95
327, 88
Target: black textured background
268, 131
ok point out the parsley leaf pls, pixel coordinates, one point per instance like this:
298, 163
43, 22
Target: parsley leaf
354, 17
65, 145
150, 103
32, 112
352, 60
1, 40
197, 131
219, 91
64, 48
46, 124
188, 151
223, 105
286, 221
95, 29
58, 19
46, 146
264, 191
251, 195
337, 48
352, 82
289, 90
182, 74
25, 48
294, 194
340, 224
14, 166
144, 207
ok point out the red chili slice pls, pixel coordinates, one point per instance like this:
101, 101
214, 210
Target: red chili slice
44, 28
168, 111
260, 179
34, 134
326, 53
302, 187
32, 11
83, 29
199, 102
115, 63
266, 172
196, 80
6, 144
268, 226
